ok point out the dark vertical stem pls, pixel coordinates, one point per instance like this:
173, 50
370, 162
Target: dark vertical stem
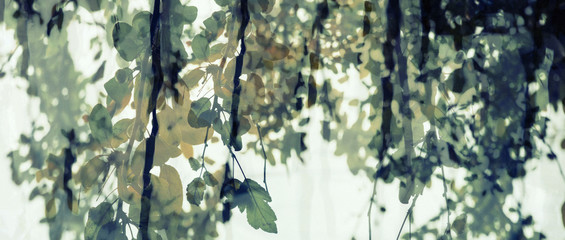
425, 8
170, 59
150, 143
537, 35
70, 158
238, 67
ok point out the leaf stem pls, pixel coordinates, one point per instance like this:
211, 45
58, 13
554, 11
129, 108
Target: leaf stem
448, 229
264, 157
406, 216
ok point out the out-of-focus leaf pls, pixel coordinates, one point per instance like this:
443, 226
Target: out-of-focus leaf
191, 78
172, 197
116, 90
89, 172
126, 41
98, 217
209, 179
200, 47
190, 13
222, 3
459, 224
100, 123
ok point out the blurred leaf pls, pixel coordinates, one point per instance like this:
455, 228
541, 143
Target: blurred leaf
222, 3
200, 47
209, 179
116, 90
191, 78
98, 217
126, 41
100, 123
89, 172
190, 13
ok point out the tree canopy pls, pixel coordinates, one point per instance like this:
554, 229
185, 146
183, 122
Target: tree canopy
442, 84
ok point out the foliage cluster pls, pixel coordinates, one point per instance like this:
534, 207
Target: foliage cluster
458, 84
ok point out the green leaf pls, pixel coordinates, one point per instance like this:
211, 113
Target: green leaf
191, 78
194, 164
190, 13
211, 25
195, 191
126, 41
124, 75
141, 24
222, 3
209, 179
111, 230
200, 114
200, 47
100, 123
97, 218
89, 173
116, 90
252, 198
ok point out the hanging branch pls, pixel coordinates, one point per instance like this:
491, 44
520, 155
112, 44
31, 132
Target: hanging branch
236, 84
448, 229
150, 147
406, 216
264, 157
373, 195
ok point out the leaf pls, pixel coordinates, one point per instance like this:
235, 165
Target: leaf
111, 230
194, 164
100, 123
459, 224
200, 47
209, 179
116, 90
98, 217
141, 23
252, 198
211, 25
195, 191
187, 150
276, 51
200, 114
191, 78
50, 209
93, 5
172, 200
222, 3
90, 171
190, 13
126, 41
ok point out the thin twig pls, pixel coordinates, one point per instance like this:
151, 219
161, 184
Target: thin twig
264, 157
448, 230
204, 151
246, 182
372, 201
407, 213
